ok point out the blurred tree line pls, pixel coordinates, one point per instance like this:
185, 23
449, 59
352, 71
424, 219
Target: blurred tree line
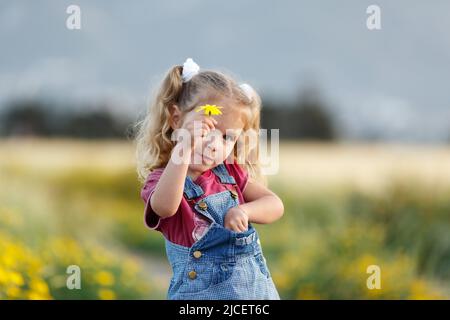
308, 117
36, 118
305, 118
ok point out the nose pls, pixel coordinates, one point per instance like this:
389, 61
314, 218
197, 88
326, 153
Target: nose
211, 146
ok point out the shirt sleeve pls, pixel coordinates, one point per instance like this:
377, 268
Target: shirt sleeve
239, 174
151, 219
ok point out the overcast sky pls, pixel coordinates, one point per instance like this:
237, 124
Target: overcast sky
394, 81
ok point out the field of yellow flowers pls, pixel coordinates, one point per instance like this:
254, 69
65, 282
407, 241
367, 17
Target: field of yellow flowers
69, 202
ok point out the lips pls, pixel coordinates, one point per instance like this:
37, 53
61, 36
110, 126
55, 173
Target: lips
208, 159
204, 158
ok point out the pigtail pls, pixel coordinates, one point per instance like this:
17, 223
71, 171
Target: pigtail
253, 162
153, 138
171, 87
245, 152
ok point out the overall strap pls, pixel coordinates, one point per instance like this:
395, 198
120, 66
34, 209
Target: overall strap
222, 173
192, 190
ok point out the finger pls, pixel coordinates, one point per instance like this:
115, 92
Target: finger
245, 223
210, 121
204, 129
234, 226
214, 120
241, 226
229, 225
206, 126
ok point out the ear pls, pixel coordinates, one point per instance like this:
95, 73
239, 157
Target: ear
175, 117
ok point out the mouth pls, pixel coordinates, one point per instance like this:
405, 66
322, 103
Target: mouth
207, 159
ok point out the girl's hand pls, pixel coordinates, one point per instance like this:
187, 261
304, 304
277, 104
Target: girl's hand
236, 220
198, 125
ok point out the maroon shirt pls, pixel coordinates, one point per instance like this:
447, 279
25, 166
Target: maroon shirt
186, 226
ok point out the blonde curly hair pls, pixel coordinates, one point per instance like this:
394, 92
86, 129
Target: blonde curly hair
153, 137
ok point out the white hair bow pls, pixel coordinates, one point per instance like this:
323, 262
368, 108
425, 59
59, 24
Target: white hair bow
248, 90
190, 69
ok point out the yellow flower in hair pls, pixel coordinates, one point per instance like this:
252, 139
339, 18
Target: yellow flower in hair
209, 109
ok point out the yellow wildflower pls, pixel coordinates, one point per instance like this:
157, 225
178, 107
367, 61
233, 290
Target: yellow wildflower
39, 286
13, 292
106, 294
104, 278
209, 109
38, 296
16, 278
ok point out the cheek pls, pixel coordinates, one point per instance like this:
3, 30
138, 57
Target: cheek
225, 150
202, 146
199, 147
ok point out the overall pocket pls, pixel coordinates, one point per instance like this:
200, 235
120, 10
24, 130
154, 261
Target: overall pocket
261, 262
222, 272
196, 277
209, 276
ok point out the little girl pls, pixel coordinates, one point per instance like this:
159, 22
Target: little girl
195, 192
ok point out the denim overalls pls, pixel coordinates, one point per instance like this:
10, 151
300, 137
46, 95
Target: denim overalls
222, 264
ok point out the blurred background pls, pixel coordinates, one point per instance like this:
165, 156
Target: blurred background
364, 155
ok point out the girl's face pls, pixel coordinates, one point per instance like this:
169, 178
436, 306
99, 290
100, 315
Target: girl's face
218, 144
